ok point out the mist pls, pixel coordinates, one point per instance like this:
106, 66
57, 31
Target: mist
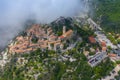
14, 13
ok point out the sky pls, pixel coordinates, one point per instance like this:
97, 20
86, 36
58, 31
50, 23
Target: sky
14, 13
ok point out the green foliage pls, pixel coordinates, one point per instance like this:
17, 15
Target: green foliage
91, 53
103, 69
84, 33
34, 39
59, 33
59, 70
42, 62
118, 40
49, 65
118, 77
112, 39
23, 33
118, 62
107, 11
57, 26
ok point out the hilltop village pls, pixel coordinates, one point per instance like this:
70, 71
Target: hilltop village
39, 37
42, 52
84, 47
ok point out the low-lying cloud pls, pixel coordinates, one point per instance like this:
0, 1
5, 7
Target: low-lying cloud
13, 13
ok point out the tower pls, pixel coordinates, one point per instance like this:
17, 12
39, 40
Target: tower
49, 46
55, 47
64, 29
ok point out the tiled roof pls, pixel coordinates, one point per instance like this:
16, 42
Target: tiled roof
103, 44
104, 48
112, 55
61, 37
68, 33
92, 39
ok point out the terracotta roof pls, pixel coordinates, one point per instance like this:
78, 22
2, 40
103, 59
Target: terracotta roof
112, 55
103, 44
25, 45
54, 36
52, 42
104, 48
92, 39
68, 33
61, 37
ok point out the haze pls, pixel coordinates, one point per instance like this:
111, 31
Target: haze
13, 14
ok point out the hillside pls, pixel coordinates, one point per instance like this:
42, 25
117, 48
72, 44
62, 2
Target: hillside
35, 62
107, 12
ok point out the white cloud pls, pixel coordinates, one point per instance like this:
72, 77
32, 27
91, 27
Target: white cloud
13, 13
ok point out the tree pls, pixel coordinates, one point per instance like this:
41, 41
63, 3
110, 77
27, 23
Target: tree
34, 39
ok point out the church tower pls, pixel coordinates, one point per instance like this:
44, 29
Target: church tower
64, 29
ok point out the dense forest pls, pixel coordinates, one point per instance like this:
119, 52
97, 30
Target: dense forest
107, 13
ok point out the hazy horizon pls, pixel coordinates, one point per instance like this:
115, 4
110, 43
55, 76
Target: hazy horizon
15, 12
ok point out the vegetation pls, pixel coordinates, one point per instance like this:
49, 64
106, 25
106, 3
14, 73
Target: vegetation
34, 39
118, 77
44, 64
57, 25
112, 39
23, 33
49, 66
108, 13
84, 33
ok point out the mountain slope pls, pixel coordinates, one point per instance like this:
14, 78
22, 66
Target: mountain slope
107, 12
